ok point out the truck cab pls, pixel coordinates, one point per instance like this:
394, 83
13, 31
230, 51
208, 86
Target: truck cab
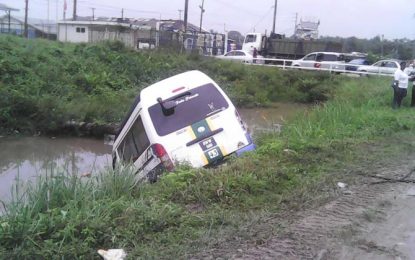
254, 40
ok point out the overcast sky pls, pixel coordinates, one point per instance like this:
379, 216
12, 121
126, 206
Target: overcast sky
360, 18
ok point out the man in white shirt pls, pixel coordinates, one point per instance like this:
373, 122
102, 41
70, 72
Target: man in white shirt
410, 70
400, 86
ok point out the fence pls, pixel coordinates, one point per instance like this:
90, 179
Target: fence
332, 67
202, 43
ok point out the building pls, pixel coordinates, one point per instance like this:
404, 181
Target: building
37, 28
89, 29
140, 33
307, 29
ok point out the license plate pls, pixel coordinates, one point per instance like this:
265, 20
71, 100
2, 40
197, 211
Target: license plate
207, 144
213, 154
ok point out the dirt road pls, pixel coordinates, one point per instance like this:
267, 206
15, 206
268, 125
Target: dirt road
370, 219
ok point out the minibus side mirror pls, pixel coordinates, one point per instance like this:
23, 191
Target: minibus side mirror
167, 106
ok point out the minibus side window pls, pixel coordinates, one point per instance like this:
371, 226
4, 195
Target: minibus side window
135, 142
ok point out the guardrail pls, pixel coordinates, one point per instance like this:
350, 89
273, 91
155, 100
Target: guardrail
333, 67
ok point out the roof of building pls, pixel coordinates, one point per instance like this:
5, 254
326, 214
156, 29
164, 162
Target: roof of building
151, 23
4, 7
43, 25
128, 22
177, 25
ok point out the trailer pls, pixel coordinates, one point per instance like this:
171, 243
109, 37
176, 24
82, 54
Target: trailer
279, 47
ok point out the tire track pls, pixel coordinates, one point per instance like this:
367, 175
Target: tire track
310, 235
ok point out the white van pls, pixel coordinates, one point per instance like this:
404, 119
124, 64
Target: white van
183, 119
322, 60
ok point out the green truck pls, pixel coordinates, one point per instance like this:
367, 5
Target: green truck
279, 47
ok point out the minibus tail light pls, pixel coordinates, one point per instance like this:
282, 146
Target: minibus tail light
161, 153
240, 120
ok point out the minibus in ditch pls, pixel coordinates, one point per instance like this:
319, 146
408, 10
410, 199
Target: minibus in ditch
187, 119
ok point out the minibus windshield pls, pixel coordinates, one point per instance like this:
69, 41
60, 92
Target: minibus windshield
200, 103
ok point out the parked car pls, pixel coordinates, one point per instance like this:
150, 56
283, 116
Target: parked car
382, 67
356, 63
241, 56
186, 118
321, 60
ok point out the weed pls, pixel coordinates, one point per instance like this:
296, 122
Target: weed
44, 84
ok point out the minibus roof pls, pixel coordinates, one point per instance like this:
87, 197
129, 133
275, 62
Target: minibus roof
172, 86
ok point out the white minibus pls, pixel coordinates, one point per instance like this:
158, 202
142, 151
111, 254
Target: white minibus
187, 119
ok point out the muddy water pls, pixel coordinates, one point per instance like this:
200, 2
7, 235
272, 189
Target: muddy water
272, 118
24, 158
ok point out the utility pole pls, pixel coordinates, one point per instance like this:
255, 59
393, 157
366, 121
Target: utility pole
201, 14
26, 33
48, 25
295, 25
74, 10
48, 13
57, 10
275, 16
122, 14
186, 10
180, 14
93, 13
65, 6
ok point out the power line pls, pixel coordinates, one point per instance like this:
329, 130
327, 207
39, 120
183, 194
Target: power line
260, 20
102, 6
236, 7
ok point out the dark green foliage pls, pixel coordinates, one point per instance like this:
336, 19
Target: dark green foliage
44, 84
378, 48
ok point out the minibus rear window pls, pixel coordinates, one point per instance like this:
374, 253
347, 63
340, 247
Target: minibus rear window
200, 103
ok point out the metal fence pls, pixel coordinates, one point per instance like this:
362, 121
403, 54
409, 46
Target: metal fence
202, 43
332, 67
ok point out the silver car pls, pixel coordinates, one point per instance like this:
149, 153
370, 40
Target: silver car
241, 56
381, 67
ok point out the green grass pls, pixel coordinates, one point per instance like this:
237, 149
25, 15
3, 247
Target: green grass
44, 84
192, 210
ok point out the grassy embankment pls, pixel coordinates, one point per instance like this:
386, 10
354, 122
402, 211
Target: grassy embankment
45, 84
194, 209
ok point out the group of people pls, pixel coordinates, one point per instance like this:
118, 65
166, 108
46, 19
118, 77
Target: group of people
400, 84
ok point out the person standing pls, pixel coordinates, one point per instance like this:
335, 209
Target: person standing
400, 86
255, 54
411, 73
